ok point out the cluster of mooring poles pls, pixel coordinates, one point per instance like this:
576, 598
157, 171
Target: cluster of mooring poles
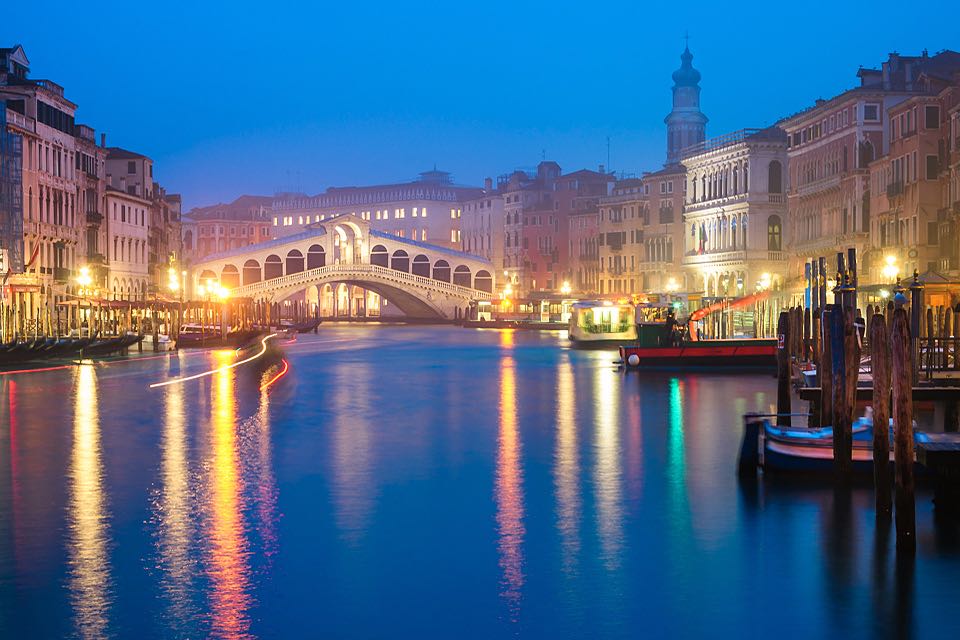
832, 337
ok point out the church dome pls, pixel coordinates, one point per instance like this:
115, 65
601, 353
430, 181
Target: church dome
686, 75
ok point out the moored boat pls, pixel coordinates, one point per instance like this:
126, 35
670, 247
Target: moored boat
601, 325
776, 448
743, 354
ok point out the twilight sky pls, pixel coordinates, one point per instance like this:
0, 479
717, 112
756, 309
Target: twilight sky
231, 98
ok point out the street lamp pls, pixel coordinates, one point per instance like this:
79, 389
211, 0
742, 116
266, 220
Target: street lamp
890, 269
84, 280
672, 285
565, 288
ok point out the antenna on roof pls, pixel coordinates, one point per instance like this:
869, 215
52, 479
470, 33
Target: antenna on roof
686, 39
543, 154
608, 153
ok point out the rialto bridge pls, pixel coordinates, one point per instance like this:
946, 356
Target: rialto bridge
341, 267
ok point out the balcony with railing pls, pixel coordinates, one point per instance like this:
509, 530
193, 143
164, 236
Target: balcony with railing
733, 257
709, 203
821, 184
19, 120
895, 189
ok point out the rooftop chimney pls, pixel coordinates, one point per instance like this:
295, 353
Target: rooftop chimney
103, 140
488, 184
601, 169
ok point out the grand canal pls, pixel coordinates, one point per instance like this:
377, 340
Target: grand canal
430, 482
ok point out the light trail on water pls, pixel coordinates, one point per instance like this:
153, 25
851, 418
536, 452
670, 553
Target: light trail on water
263, 350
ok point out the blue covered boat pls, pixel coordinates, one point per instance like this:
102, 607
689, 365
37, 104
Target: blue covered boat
776, 448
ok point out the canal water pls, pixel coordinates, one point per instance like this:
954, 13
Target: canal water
430, 482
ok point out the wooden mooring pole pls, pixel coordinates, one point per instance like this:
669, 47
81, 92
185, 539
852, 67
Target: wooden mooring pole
783, 369
905, 501
840, 416
880, 359
825, 369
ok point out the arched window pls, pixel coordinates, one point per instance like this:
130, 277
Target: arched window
775, 179
379, 256
400, 261
483, 281
316, 256
733, 233
251, 272
736, 181
774, 234
441, 270
461, 276
421, 265
743, 231
229, 277
272, 267
294, 261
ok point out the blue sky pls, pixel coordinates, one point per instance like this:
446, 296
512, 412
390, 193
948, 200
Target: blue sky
232, 98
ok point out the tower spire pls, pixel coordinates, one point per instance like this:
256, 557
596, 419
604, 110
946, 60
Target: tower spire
686, 124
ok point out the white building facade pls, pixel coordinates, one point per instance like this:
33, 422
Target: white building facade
735, 214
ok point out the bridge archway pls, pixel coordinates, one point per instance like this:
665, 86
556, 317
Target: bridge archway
421, 266
326, 300
400, 261
251, 272
205, 276
294, 261
229, 277
316, 256
379, 256
441, 271
313, 299
272, 267
461, 276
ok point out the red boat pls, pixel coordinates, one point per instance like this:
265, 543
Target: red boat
747, 353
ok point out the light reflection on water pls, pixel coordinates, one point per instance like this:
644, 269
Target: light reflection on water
509, 486
542, 491
567, 467
607, 469
176, 528
226, 564
89, 579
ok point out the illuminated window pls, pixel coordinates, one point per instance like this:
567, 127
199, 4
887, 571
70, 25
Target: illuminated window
414, 212
423, 235
423, 212
453, 213
275, 220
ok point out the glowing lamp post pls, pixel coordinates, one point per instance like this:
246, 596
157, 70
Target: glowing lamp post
890, 269
84, 280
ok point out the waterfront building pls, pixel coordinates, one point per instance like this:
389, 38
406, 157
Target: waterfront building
127, 244
427, 209
620, 227
224, 227
735, 214
545, 238
583, 241
481, 225
54, 223
913, 224
142, 251
11, 204
831, 147
91, 167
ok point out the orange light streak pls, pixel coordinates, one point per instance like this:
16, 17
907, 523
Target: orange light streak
286, 367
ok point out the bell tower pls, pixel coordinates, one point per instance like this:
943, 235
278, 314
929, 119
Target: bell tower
686, 124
